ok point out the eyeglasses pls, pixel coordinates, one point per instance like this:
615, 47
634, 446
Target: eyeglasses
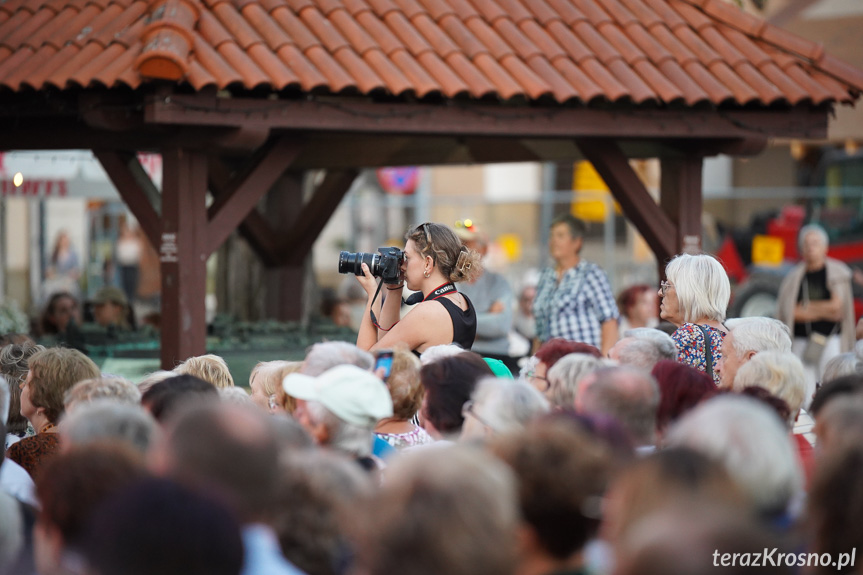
467, 409
664, 285
531, 375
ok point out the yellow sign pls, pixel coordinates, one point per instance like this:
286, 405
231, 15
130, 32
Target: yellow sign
768, 251
592, 195
511, 246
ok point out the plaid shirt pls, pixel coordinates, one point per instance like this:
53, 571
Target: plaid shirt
576, 307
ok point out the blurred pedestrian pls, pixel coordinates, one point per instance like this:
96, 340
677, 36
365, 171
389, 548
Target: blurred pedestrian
573, 298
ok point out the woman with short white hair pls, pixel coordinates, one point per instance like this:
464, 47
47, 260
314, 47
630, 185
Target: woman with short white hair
694, 298
816, 303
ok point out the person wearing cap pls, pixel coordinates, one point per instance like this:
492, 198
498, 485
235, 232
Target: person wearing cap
340, 409
111, 308
492, 296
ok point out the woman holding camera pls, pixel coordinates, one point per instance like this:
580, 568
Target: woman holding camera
434, 260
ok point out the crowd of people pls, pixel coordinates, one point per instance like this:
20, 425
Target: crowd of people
717, 443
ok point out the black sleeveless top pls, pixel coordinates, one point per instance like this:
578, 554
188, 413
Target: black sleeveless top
463, 322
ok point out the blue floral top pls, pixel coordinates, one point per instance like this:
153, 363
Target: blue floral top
690, 347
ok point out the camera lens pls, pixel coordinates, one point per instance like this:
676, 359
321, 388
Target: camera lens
352, 263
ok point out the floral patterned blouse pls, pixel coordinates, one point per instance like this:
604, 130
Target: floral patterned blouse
690, 347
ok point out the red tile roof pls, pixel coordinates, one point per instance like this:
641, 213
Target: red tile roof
639, 51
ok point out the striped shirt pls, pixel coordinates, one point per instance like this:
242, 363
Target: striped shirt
575, 307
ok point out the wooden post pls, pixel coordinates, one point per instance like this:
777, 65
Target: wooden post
284, 282
680, 198
183, 255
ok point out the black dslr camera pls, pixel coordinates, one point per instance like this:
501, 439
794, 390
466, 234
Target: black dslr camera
385, 265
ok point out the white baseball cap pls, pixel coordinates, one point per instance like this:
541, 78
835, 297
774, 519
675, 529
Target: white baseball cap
353, 394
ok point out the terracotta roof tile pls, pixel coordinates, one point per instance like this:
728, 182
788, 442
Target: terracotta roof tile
622, 15
113, 30
638, 51
790, 90
310, 77
385, 38
716, 91
622, 44
743, 93
358, 38
655, 51
439, 42
592, 11
693, 93
411, 8
30, 26
267, 27
476, 40
111, 73
540, 37
324, 30
542, 12
60, 77
437, 9
665, 12
725, 12
88, 72
37, 76
504, 84
522, 45
560, 88
295, 28
199, 78
12, 24
587, 89
490, 9
13, 68
451, 84
479, 85
642, 12
515, 10
383, 7
415, 74
662, 86
213, 63
240, 29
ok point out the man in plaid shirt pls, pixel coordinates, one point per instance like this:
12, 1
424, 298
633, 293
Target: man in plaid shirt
574, 299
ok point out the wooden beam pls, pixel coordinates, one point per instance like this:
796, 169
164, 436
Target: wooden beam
183, 255
473, 119
136, 188
254, 228
315, 214
638, 206
240, 196
681, 199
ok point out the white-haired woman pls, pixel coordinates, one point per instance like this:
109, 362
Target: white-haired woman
694, 298
816, 303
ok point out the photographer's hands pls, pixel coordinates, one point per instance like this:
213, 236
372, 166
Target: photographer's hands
368, 281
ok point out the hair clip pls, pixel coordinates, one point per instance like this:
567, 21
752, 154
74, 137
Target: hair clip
462, 264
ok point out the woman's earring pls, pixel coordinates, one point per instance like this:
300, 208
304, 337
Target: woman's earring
426, 273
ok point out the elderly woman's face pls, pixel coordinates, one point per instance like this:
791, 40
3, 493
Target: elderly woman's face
814, 251
28, 410
669, 308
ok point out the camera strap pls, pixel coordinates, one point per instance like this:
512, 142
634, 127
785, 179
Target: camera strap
372, 314
441, 291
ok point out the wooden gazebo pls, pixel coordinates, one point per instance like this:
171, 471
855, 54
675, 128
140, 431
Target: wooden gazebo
235, 93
